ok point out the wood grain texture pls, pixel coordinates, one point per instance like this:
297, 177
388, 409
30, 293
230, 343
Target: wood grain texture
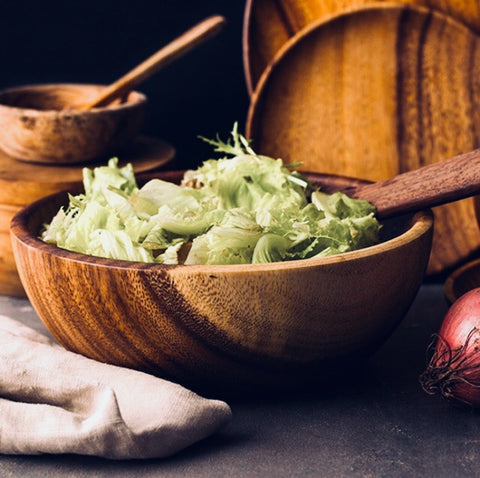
10, 283
22, 183
268, 24
223, 327
342, 100
431, 185
36, 127
261, 38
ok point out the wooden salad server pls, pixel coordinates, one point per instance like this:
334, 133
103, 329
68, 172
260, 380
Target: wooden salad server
438, 183
176, 49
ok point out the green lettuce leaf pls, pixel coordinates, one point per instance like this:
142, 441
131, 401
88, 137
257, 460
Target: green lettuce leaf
239, 209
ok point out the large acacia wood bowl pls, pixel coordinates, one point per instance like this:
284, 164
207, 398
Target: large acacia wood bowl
224, 327
40, 124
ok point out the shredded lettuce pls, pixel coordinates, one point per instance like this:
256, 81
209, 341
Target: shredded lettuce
241, 208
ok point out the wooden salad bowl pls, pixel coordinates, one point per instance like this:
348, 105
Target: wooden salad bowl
227, 327
39, 123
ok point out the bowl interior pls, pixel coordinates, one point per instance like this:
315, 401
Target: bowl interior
56, 97
42, 211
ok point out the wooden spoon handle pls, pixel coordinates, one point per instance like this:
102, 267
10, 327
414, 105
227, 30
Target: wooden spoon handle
438, 183
177, 48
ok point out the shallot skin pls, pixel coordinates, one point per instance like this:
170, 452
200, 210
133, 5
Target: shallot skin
462, 317
454, 370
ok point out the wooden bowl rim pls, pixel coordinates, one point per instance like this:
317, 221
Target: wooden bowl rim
449, 286
421, 223
302, 35
138, 99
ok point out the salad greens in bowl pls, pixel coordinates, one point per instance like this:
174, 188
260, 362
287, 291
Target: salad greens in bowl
241, 209
239, 275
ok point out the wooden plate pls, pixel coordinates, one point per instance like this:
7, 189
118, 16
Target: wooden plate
342, 100
268, 24
22, 183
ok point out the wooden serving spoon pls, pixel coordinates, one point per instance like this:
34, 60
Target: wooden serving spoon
429, 186
438, 183
177, 48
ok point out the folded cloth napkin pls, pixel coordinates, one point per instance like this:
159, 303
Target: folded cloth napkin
55, 401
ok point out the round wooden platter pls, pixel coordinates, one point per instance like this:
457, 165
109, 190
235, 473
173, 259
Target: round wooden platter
343, 100
268, 24
22, 183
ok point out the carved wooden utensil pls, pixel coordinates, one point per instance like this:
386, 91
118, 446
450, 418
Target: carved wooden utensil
268, 24
176, 49
374, 93
439, 183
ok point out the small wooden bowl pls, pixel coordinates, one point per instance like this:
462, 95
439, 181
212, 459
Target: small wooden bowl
224, 327
36, 124
462, 280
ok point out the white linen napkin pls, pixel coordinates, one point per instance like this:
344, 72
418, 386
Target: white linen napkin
55, 401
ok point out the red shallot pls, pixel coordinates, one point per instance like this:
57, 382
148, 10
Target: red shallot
454, 369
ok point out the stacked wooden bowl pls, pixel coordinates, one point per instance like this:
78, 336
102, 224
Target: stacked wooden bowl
369, 90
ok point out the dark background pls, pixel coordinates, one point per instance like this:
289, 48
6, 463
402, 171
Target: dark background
97, 41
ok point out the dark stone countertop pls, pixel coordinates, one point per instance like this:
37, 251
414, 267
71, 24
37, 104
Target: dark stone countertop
376, 423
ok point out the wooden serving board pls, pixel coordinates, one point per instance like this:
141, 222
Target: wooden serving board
22, 183
373, 93
268, 24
